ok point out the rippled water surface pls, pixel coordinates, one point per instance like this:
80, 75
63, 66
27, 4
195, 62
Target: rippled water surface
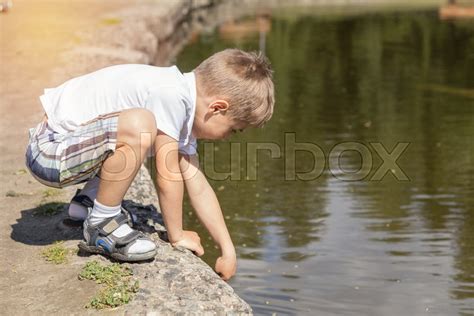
332, 246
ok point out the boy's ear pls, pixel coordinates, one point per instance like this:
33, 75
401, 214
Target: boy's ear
218, 106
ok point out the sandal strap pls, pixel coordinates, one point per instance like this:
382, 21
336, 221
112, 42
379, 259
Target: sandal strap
109, 225
104, 242
83, 199
110, 242
127, 239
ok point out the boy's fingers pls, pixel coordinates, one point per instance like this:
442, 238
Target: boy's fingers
199, 251
197, 236
225, 276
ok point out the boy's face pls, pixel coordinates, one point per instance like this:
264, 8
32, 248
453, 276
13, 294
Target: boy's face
216, 122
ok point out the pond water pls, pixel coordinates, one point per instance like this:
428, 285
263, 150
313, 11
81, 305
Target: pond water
341, 240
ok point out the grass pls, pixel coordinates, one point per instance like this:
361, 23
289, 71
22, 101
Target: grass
118, 289
49, 209
56, 253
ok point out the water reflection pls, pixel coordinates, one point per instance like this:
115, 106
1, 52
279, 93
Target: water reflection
368, 246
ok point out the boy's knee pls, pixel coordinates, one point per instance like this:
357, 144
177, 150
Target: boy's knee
134, 123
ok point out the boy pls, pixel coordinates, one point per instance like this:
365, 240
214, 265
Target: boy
105, 122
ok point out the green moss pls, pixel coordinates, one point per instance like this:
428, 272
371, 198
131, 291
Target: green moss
111, 21
50, 193
56, 254
11, 193
118, 289
49, 209
114, 295
104, 274
20, 172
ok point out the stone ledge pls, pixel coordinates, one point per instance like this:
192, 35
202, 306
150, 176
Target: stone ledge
177, 281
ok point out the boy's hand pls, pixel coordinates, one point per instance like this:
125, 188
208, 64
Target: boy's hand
226, 266
189, 240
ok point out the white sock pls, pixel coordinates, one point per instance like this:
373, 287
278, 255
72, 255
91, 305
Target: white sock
100, 212
90, 189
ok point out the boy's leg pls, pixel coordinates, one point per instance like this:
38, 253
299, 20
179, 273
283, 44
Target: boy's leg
136, 133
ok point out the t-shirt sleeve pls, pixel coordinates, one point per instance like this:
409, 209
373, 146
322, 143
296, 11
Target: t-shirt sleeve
190, 148
169, 110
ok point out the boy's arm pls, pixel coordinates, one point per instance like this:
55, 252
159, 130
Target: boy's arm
170, 193
208, 210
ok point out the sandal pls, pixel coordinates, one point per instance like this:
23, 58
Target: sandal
86, 202
101, 241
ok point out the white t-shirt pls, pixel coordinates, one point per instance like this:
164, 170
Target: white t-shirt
165, 91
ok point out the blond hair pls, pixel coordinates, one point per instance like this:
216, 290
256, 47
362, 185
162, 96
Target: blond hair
244, 79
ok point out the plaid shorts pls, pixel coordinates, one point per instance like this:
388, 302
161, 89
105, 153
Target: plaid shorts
59, 160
